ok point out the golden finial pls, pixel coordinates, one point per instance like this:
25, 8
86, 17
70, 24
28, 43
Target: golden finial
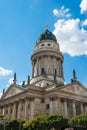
46, 26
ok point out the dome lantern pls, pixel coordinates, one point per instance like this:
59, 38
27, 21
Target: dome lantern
46, 35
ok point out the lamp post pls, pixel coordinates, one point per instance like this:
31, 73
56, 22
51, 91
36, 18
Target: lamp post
2, 122
19, 126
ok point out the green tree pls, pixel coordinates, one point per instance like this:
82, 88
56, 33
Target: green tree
46, 123
57, 121
39, 123
80, 120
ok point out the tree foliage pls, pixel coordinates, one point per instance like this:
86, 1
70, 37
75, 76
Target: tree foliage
80, 120
10, 124
46, 122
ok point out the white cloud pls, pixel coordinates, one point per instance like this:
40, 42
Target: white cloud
4, 72
84, 22
72, 38
62, 12
55, 12
83, 6
10, 81
0, 93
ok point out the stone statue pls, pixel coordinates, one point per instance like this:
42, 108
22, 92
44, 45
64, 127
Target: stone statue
46, 26
3, 91
23, 83
74, 76
14, 80
28, 82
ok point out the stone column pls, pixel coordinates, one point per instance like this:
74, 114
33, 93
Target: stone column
51, 111
85, 108
14, 110
43, 106
65, 108
32, 108
81, 106
26, 114
56, 105
74, 108
37, 66
51, 105
19, 109
3, 111
9, 110
32, 69
60, 68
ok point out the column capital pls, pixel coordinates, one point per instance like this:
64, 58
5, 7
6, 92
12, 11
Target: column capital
26, 98
31, 99
52, 98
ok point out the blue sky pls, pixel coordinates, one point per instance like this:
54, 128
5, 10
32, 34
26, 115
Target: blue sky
22, 21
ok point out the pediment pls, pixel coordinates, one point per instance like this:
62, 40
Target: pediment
43, 83
75, 88
11, 91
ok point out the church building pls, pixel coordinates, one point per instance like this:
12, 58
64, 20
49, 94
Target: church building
45, 92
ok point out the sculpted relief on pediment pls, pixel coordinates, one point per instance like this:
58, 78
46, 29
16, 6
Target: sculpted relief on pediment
13, 91
76, 89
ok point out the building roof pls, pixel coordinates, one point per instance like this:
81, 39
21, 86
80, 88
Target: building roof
46, 35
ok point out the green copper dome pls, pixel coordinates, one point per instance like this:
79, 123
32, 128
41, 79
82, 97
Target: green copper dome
47, 35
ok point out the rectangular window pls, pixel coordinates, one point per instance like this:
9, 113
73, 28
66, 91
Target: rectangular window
47, 106
11, 110
42, 100
42, 70
28, 106
6, 112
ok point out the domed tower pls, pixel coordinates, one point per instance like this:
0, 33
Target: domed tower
47, 61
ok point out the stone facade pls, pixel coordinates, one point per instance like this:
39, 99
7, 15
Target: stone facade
45, 92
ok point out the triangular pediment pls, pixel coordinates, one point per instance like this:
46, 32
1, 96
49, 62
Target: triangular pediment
76, 88
43, 83
12, 90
